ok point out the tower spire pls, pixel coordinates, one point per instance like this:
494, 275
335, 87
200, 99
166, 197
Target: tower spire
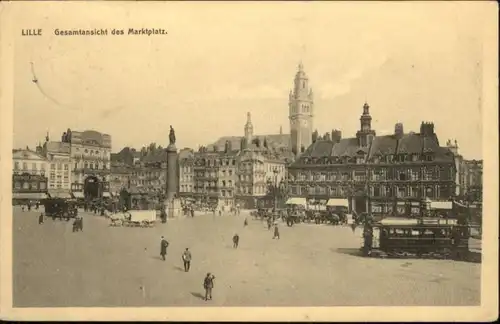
249, 129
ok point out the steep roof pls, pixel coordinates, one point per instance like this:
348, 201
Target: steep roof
273, 140
411, 143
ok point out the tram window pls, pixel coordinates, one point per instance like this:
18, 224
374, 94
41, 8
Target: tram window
415, 232
399, 232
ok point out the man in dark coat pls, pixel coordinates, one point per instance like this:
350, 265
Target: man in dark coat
40, 219
276, 232
163, 248
208, 284
236, 241
186, 258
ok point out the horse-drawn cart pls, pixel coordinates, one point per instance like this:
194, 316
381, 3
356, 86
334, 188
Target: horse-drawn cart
134, 218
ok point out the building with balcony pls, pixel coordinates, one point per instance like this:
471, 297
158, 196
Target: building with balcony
29, 175
473, 179
378, 174
186, 173
89, 158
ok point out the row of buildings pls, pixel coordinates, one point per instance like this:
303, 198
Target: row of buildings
375, 173
76, 166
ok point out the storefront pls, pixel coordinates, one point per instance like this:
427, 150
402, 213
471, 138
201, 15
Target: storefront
27, 187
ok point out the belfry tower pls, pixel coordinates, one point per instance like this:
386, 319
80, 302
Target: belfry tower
365, 134
301, 105
249, 129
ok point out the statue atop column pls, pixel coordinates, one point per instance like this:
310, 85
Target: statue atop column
172, 135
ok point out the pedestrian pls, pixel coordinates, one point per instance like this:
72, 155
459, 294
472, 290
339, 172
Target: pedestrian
245, 223
22, 207
192, 212
236, 241
208, 284
353, 226
163, 248
269, 223
40, 219
37, 205
276, 232
220, 212
186, 257
80, 223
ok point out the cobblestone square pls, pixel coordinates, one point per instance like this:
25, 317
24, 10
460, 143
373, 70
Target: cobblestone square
311, 265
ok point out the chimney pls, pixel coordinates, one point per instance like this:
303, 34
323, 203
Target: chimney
328, 137
427, 129
398, 130
336, 135
226, 146
315, 136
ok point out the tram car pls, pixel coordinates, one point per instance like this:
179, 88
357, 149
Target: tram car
416, 237
60, 208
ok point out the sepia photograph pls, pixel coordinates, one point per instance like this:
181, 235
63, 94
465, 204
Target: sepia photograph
220, 156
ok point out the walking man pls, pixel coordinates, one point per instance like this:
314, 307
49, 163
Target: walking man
40, 219
208, 284
186, 257
163, 248
245, 223
236, 240
276, 232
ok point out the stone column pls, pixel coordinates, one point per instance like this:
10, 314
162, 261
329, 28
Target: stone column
172, 203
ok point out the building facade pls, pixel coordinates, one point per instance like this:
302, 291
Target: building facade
186, 173
473, 179
59, 172
376, 174
91, 165
206, 176
29, 175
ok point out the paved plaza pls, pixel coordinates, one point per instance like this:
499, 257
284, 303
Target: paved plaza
311, 265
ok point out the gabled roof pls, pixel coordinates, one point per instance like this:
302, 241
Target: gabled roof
27, 155
383, 145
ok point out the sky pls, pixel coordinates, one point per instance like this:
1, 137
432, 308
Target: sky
411, 62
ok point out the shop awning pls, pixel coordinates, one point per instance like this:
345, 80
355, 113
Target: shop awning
29, 195
78, 194
296, 201
106, 194
338, 202
441, 205
60, 194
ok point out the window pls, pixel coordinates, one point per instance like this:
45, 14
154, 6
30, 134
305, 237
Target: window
17, 185
16, 165
34, 185
33, 166
66, 167
86, 165
26, 185
43, 185
376, 191
25, 166
52, 166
